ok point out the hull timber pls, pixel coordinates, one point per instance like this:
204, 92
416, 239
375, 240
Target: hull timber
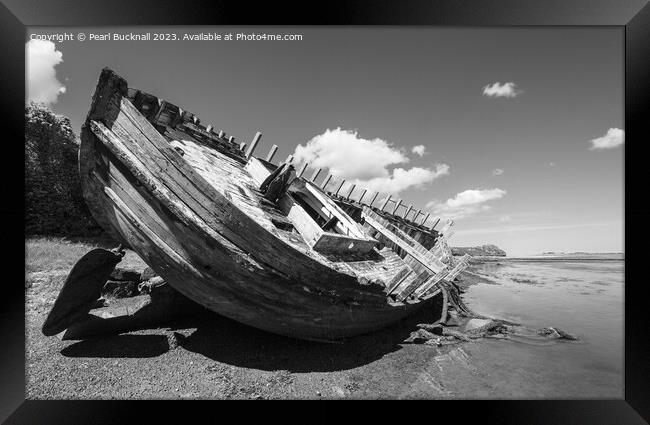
193, 213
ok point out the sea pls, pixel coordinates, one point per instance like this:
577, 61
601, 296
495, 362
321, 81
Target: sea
581, 294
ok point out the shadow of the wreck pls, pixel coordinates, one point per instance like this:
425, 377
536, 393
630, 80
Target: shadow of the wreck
119, 346
231, 342
227, 341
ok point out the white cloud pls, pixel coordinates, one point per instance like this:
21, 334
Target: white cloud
501, 90
465, 203
419, 150
497, 172
615, 137
402, 179
365, 162
42, 84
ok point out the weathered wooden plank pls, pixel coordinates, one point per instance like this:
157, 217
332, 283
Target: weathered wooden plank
462, 264
351, 225
398, 279
428, 285
318, 239
342, 244
434, 268
305, 225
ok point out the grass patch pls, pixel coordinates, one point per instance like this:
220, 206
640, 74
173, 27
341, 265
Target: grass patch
54, 254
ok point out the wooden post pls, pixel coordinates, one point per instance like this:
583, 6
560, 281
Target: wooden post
253, 145
209, 128
373, 199
350, 192
399, 203
327, 180
362, 195
315, 175
408, 211
272, 152
340, 186
425, 219
435, 224
302, 170
289, 159
385, 203
221, 134
231, 139
242, 146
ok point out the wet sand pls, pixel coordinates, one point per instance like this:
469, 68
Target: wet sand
207, 356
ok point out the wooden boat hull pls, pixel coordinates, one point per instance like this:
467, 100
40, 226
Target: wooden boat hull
211, 251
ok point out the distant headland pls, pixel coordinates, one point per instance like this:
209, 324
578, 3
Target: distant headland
479, 251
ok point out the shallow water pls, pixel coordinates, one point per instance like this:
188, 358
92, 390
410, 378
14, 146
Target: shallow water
583, 298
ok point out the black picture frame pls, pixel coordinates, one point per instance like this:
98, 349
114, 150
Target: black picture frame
634, 16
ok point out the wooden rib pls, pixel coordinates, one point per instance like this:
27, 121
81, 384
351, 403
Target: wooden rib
253, 146
435, 224
340, 186
425, 219
385, 203
350, 192
397, 205
271, 154
415, 218
362, 195
315, 175
327, 180
303, 169
406, 214
373, 199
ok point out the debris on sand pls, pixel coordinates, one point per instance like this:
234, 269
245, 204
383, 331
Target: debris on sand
556, 334
468, 325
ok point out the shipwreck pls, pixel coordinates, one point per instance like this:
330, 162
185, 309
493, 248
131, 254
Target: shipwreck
246, 237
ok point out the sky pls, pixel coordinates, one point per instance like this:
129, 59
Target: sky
514, 133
